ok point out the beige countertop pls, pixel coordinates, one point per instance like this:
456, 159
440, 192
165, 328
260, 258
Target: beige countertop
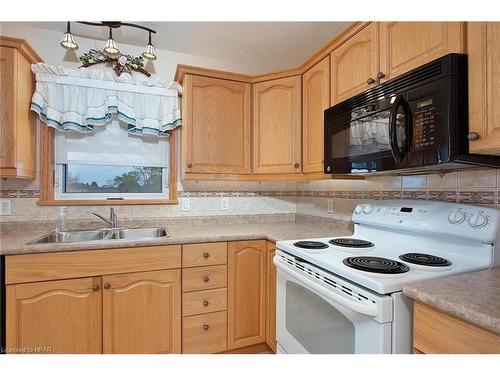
474, 297
16, 242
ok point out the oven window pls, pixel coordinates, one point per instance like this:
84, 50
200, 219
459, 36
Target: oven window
315, 324
363, 135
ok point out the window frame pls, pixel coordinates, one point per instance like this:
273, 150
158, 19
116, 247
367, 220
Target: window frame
50, 197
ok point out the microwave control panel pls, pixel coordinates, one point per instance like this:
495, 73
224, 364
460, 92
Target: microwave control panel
426, 126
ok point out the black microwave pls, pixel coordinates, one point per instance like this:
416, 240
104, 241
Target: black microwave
411, 124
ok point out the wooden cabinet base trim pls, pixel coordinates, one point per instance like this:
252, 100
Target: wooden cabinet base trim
252, 349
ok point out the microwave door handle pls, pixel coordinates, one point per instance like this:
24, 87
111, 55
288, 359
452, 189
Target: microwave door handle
370, 310
393, 136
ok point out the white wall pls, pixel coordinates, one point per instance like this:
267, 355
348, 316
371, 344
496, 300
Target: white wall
46, 44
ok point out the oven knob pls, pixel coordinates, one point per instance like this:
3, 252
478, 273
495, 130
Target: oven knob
358, 209
478, 221
367, 208
456, 217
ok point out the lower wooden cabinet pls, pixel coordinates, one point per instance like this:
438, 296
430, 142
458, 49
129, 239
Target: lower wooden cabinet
55, 316
435, 332
246, 293
142, 312
271, 296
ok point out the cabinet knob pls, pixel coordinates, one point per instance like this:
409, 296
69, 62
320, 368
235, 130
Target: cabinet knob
296, 165
472, 136
206, 279
95, 288
107, 286
380, 75
206, 255
205, 327
190, 165
205, 303
370, 81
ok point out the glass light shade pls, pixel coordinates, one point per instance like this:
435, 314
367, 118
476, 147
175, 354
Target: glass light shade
149, 52
111, 48
68, 42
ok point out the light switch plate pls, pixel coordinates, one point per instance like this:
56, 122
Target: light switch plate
330, 209
5, 207
224, 203
185, 204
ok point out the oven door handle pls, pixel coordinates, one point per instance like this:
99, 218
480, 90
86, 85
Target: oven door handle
370, 310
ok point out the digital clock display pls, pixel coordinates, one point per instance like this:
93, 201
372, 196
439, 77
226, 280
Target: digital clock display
424, 103
406, 209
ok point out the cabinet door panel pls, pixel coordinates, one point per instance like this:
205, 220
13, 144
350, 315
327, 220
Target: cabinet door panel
315, 99
142, 312
484, 86
353, 63
277, 126
216, 125
55, 316
246, 293
407, 45
8, 94
271, 296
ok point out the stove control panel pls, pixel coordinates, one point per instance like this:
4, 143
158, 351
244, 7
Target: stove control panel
461, 220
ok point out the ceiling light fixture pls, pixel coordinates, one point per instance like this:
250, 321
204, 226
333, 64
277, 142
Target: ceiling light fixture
149, 52
110, 47
68, 41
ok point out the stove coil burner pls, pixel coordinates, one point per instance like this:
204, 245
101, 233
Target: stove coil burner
376, 265
351, 242
425, 260
315, 245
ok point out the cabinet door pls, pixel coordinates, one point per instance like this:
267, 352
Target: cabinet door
315, 99
407, 45
142, 312
216, 125
484, 86
277, 126
246, 293
8, 67
354, 65
55, 316
271, 296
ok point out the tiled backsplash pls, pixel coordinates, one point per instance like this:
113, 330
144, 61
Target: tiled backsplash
327, 198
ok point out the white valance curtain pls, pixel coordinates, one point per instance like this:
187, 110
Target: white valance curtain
80, 99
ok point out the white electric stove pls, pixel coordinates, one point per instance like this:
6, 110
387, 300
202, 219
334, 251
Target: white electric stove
343, 295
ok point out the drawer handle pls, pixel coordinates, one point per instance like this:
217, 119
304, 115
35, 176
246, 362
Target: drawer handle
296, 165
205, 327
206, 255
206, 279
472, 136
95, 288
190, 165
205, 303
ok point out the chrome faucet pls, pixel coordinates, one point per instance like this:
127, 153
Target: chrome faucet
113, 219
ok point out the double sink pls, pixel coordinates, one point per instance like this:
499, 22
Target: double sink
102, 234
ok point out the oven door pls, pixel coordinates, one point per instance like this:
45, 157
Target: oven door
370, 138
309, 321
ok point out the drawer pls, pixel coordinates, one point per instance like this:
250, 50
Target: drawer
201, 278
204, 301
205, 333
25, 268
204, 254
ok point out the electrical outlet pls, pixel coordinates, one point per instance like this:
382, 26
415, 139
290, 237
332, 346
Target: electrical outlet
185, 204
330, 208
5, 207
224, 203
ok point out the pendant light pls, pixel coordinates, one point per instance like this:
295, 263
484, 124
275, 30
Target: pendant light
149, 52
68, 41
110, 47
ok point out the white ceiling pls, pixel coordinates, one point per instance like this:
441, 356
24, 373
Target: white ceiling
270, 45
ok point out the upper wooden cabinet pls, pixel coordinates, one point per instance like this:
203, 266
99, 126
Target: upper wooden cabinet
142, 312
483, 41
246, 293
216, 126
315, 99
55, 317
354, 65
407, 45
277, 126
17, 122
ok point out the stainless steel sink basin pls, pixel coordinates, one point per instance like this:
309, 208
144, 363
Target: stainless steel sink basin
101, 234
